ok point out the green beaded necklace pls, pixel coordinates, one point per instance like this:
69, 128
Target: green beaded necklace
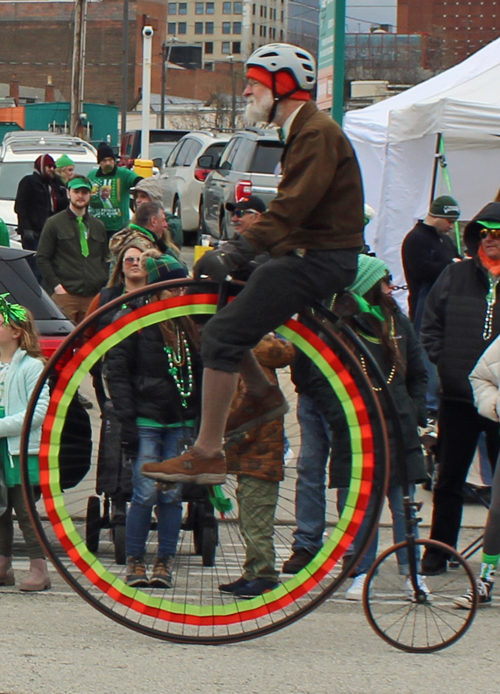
177, 358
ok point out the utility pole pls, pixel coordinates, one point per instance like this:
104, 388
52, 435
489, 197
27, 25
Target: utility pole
233, 93
338, 61
78, 65
166, 49
147, 35
125, 30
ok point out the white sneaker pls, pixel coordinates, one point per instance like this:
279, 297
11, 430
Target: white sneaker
410, 593
355, 592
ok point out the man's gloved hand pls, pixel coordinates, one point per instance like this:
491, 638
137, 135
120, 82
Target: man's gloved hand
28, 236
130, 439
223, 261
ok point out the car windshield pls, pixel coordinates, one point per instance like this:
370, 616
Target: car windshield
12, 172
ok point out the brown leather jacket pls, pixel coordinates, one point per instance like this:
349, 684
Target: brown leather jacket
260, 453
320, 198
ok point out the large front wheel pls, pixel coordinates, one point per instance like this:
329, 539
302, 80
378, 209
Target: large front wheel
194, 610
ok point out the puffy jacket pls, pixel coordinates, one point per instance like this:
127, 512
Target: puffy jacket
455, 316
260, 453
20, 383
485, 382
137, 374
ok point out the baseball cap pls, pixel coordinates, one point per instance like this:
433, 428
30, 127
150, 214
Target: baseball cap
252, 203
445, 206
79, 182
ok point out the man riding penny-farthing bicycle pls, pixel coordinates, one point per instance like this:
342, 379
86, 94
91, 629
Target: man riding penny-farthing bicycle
313, 231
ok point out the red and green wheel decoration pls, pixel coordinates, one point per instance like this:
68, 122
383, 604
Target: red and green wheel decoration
362, 472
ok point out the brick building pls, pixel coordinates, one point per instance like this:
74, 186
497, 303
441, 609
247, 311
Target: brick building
36, 40
463, 26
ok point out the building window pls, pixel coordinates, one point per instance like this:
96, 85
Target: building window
226, 27
171, 28
209, 66
183, 8
272, 33
209, 47
263, 11
226, 47
209, 27
198, 27
253, 29
182, 27
210, 7
198, 8
226, 8
236, 47
262, 32
238, 8
172, 8
236, 27
254, 9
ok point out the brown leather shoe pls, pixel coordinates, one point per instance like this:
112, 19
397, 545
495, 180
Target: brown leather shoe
190, 466
254, 410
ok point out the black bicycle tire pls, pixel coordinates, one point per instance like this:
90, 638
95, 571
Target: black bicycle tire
368, 595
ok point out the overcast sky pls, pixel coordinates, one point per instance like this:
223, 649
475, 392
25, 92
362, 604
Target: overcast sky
361, 14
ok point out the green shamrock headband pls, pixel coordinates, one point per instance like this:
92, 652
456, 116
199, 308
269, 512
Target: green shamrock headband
12, 313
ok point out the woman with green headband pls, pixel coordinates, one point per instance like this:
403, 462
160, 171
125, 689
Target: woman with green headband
389, 336
21, 363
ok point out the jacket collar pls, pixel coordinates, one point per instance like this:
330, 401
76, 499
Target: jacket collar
307, 110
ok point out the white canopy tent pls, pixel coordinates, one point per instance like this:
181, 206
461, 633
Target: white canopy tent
395, 141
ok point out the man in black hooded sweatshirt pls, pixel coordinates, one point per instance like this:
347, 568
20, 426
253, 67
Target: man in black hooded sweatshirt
461, 318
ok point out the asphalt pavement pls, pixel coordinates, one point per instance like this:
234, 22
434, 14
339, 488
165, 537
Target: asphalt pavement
56, 643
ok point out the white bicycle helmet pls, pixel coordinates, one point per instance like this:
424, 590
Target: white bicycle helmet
283, 56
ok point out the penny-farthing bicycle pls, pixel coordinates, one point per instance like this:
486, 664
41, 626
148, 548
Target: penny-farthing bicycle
194, 610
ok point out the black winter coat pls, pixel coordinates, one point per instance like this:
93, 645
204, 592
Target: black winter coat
137, 374
455, 315
33, 202
425, 254
408, 390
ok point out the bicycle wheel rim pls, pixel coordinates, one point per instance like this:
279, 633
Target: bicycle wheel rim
402, 622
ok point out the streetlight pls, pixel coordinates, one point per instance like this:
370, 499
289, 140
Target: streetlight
233, 100
166, 49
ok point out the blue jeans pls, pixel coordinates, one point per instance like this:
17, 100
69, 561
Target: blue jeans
310, 503
155, 445
395, 499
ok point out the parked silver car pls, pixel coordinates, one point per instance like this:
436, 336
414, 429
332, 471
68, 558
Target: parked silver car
249, 165
183, 179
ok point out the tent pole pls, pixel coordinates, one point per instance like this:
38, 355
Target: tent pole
437, 156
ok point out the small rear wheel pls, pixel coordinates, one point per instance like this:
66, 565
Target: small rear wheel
422, 622
93, 524
119, 543
209, 544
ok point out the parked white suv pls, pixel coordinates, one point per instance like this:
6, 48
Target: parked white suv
183, 179
18, 152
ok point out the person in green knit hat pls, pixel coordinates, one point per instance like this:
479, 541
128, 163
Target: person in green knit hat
65, 169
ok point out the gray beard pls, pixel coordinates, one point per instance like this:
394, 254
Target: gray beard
258, 112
